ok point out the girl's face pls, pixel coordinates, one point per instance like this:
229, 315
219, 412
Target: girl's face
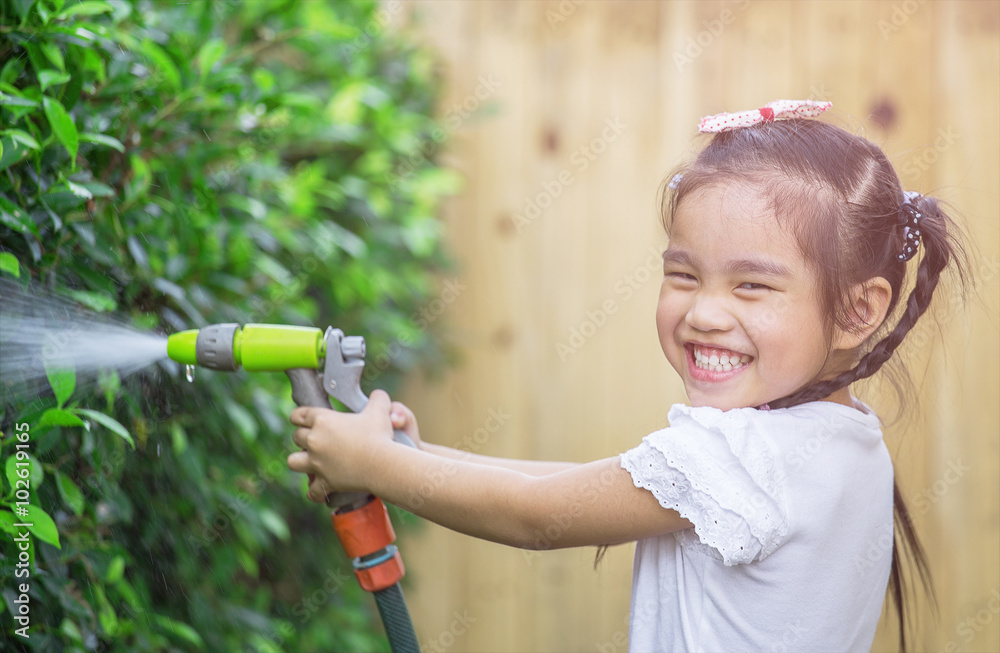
739, 315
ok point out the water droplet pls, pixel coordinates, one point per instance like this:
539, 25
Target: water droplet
189, 373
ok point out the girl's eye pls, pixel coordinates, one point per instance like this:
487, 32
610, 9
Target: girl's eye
749, 285
681, 276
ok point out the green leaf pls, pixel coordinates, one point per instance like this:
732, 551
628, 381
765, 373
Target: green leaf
129, 595
79, 190
59, 417
106, 615
14, 217
42, 526
22, 137
70, 493
72, 631
92, 62
11, 468
244, 421
273, 269
345, 107
102, 139
115, 570
209, 53
37, 472
22, 7
305, 101
248, 562
162, 63
97, 189
7, 521
11, 152
95, 301
9, 264
48, 78
141, 178
107, 421
62, 380
275, 523
8, 100
62, 125
53, 54
178, 629
264, 79
178, 437
60, 198
87, 8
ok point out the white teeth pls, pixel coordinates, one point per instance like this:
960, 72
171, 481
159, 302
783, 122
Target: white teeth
720, 363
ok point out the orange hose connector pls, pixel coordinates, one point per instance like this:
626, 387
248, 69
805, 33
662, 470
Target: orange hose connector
367, 531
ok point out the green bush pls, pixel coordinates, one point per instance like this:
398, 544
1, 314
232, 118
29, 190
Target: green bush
175, 165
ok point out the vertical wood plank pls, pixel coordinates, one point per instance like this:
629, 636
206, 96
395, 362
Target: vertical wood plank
961, 167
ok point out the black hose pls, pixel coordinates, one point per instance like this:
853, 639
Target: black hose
396, 618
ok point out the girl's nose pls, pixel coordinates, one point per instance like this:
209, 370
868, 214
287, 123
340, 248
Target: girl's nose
708, 313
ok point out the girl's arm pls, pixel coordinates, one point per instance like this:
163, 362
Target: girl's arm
530, 467
403, 418
590, 504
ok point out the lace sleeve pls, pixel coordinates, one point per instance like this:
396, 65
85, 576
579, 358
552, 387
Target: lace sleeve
714, 469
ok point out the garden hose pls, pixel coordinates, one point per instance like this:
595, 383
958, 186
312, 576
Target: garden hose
360, 520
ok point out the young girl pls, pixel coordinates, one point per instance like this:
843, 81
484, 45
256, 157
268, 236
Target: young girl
761, 514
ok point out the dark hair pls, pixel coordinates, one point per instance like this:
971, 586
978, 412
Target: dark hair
841, 198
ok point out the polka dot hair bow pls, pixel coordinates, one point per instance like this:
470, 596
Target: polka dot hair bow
777, 110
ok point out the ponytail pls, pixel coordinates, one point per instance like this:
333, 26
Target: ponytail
905, 537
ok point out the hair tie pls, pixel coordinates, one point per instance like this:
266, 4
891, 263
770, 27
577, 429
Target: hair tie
909, 218
777, 110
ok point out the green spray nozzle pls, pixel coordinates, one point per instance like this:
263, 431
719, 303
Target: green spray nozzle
361, 521
331, 359
255, 347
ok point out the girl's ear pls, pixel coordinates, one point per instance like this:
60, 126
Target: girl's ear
867, 308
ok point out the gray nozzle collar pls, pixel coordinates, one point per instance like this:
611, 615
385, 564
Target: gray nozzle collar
214, 347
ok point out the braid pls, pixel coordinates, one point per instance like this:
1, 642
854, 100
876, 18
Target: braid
937, 255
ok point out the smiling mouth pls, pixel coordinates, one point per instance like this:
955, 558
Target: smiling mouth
714, 359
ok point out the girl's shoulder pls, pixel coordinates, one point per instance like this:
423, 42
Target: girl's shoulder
815, 416
734, 473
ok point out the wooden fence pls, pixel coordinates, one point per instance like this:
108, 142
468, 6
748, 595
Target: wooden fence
564, 118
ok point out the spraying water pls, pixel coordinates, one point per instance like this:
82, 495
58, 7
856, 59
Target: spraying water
39, 330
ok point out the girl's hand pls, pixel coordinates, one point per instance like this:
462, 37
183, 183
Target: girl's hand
341, 450
404, 419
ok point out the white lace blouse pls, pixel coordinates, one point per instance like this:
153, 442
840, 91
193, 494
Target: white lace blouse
792, 537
